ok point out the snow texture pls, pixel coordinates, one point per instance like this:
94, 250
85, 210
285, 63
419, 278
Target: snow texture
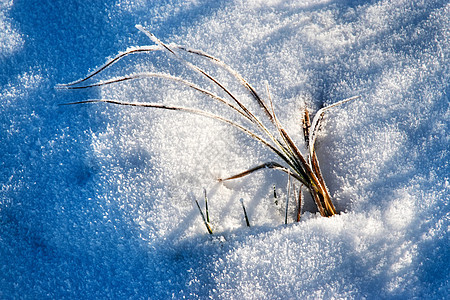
97, 201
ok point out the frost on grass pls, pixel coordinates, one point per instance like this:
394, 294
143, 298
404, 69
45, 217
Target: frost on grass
369, 153
98, 201
303, 167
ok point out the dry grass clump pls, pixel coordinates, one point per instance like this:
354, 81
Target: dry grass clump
304, 168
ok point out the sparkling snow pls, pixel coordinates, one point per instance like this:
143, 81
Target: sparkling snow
97, 201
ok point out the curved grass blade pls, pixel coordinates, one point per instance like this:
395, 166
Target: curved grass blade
188, 110
269, 165
109, 63
312, 159
317, 119
163, 76
308, 173
321, 195
238, 76
193, 67
247, 114
204, 73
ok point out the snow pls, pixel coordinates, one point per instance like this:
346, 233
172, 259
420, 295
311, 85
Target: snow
97, 201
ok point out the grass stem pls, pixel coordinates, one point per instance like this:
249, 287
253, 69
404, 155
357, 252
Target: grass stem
208, 227
299, 204
287, 198
245, 213
206, 205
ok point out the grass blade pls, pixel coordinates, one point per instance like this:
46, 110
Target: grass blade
193, 67
204, 219
286, 156
111, 62
317, 119
306, 126
269, 165
237, 76
287, 198
214, 80
245, 213
188, 110
299, 203
163, 76
306, 171
206, 205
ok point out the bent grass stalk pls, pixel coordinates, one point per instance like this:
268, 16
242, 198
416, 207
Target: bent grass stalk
306, 171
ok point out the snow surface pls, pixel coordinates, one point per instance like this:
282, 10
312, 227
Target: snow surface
97, 201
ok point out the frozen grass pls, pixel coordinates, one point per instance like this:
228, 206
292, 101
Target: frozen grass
306, 171
97, 201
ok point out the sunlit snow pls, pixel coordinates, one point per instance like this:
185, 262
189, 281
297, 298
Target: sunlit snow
98, 201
